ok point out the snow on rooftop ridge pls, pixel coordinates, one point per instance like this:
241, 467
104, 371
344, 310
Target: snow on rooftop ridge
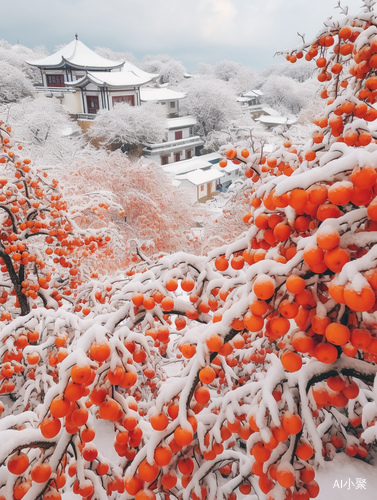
129, 78
185, 166
229, 168
271, 111
77, 55
160, 94
198, 177
194, 163
253, 93
210, 157
129, 67
181, 121
276, 120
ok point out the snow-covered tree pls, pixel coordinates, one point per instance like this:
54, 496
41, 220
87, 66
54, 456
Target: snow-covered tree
34, 222
242, 78
226, 70
46, 130
235, 372
101, 185
17, 55
116, 56
14, 85
134, 125
170, 71
287, 95
212, 102
300, 71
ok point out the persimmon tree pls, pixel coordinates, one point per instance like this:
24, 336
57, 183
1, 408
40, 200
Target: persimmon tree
137, 199
241, 370
42, 249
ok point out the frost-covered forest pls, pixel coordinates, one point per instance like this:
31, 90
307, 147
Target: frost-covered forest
156, 349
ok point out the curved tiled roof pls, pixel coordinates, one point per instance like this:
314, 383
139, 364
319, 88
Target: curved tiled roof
77, 55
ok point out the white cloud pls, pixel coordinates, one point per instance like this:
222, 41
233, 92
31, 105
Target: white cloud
216, 16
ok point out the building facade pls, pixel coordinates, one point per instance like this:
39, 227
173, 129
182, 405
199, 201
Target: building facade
86, 83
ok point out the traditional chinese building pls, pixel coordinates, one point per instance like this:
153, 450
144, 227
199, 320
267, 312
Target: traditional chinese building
86, 82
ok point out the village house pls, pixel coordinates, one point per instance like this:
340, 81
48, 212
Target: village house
180, 143
201, 177
252, 102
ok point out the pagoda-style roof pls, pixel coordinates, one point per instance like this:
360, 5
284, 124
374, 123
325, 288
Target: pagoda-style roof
76, 55
129, 76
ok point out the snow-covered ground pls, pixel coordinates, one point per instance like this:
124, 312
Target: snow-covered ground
343, 471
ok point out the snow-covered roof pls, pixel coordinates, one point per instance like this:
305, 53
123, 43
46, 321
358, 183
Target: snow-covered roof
161, 94
130, 76
272, 112
276, 120
185, 166
211, 157
243, 99
77, 55
231, 167
253, 93
198, 177
181, 121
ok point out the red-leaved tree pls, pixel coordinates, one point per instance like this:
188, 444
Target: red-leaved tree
237, 371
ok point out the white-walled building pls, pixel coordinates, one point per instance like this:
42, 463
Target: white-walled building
180, 143
200, 184
231, 173
201, 177
86, 82
165, 97
252, 102
103, 90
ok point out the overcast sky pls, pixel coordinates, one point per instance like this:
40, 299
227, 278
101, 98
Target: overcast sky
191, 31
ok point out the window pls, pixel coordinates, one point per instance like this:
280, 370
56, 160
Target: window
188, 154
172, 104
124, 98
164, 160
55, 80
178, 135
177, 156
201, 188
